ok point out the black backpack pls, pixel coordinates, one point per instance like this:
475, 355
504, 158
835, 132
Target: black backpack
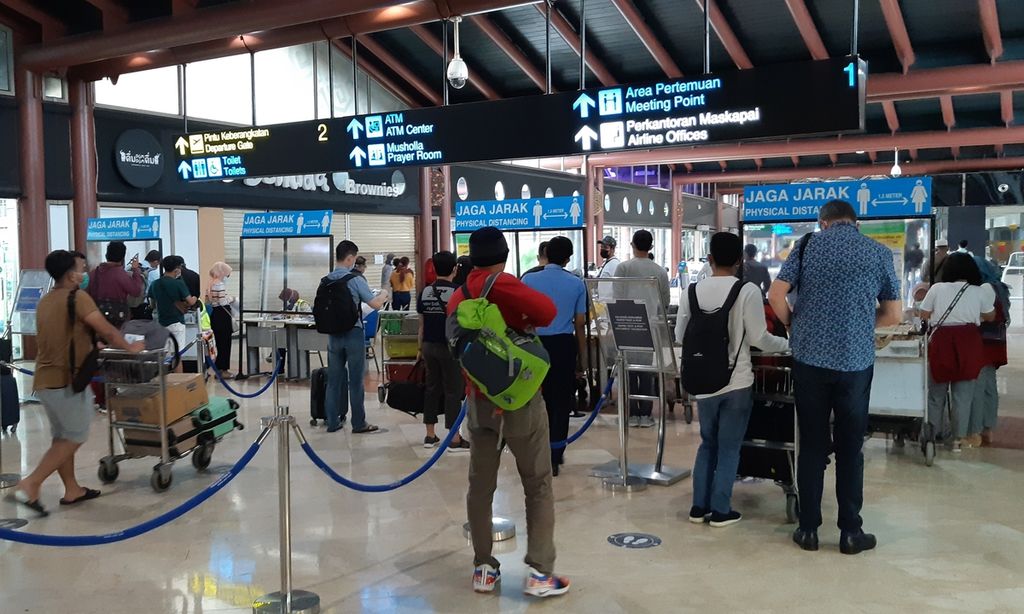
335, 311
706, 366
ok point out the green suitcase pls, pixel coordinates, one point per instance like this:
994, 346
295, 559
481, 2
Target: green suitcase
216, 419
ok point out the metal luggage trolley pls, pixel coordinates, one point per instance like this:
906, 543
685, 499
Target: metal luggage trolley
771, 444
145, 372
399, 334
899, 389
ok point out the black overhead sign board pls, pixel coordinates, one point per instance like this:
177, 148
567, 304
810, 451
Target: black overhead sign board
825, 96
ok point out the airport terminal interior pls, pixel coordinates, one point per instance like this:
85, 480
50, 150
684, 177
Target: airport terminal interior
323, 177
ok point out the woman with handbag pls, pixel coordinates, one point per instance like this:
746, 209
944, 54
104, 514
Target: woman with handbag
66, 360
222, 320
956, 353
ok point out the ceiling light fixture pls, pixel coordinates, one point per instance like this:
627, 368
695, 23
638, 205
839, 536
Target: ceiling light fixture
896, 171
458, 72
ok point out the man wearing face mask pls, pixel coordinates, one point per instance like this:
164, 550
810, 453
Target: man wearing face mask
611, 263
173, 299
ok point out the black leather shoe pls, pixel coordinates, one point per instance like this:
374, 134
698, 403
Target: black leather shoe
855, 543
807, 540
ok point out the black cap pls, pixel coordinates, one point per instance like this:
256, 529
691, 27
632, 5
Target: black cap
609, 241
487, 247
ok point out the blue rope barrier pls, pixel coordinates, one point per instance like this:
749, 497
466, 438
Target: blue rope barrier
68, 541
556, 445
340, 479
243, 395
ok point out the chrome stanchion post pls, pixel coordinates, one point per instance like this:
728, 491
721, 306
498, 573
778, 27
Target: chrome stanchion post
624, 482
287, 600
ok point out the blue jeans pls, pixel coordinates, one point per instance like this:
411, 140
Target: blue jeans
723, 422
843, 396
346, 366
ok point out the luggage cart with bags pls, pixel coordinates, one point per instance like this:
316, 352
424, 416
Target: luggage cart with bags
399, 333
770, 446
153, 413
899, 390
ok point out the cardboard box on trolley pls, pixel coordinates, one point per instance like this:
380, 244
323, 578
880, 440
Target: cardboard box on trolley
186, 392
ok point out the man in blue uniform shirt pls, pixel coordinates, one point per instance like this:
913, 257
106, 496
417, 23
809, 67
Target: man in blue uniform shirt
564, 339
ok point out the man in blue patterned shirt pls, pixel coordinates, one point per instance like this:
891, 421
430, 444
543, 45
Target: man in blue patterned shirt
846, 287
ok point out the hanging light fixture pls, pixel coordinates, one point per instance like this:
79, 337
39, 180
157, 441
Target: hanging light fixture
896, 171
458, 72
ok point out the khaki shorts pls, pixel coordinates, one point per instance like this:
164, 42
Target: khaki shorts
70, 412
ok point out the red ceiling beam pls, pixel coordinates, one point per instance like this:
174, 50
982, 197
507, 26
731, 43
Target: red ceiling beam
1006, 106
967, 137
568, 34
989, 18
323, 18
891, 118
852, 170
898, 32
378, 75
725, 34
50, 26
953, 81
113, 13
390, 18
948, 115
400, 69
808, 31
648, 38
509, 48
437, 46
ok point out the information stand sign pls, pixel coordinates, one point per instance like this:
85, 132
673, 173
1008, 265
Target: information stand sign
631, 325
32, 286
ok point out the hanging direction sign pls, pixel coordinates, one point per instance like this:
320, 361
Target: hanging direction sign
520, 213
287, 224
141, 228
901, 197
825, 96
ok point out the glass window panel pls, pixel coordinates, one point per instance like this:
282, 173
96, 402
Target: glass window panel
220, 89
60, 228
6, 61
149, 90
53, 87
186, 236
284, 85
382, 101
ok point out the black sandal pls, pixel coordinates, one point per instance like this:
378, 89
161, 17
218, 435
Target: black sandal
34, 505
369, 428
88, 496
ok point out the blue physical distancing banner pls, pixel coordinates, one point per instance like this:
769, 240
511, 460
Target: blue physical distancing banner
900, 197
520, 213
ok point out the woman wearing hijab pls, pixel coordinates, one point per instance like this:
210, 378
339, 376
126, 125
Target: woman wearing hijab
221, 316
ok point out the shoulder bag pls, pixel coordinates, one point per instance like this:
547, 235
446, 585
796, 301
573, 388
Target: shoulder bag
81, 375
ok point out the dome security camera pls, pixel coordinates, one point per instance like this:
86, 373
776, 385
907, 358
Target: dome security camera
458, 73
1003, 188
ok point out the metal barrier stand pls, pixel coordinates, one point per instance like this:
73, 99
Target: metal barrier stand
287, 600
626, 481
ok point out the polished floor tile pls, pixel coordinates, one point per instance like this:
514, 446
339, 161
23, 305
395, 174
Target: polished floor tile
951, 536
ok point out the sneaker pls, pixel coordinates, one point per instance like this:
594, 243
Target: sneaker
698, 515
485, 579
958, 446
723, 520
431, 442
634, 421
647, 422
540, 585
456, 448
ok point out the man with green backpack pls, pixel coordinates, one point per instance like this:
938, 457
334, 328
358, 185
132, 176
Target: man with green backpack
491, 330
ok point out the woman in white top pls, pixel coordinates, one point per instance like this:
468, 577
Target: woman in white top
724, 413
221, 316
956, 307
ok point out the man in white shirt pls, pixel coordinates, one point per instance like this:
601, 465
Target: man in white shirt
724, 414
611, 263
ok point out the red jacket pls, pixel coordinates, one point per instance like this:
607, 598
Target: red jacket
109, 281
520, 305
956, 353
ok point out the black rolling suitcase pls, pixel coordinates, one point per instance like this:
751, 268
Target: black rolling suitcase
10, 410
317, 395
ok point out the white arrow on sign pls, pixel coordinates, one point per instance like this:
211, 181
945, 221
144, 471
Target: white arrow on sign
563, 215
184, 169
895, 201
358, 155
583, 103
586, 135
354, 127
182, 145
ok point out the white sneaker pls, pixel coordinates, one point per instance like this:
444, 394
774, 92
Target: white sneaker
485, 579
646, 422
634, 421
540, 585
